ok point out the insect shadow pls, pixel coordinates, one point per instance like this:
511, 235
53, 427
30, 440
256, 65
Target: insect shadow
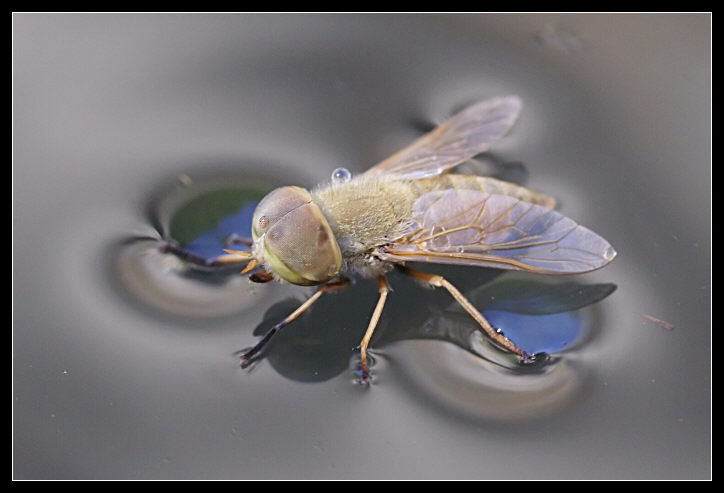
319, 346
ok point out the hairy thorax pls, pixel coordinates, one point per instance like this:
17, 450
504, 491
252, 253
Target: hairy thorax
365, 214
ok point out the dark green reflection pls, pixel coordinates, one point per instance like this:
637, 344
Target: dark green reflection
205, 212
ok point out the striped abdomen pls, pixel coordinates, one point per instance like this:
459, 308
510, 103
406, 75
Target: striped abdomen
483, 183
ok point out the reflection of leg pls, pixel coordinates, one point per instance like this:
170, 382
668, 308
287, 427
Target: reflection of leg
439, 281
384, 288
333, 286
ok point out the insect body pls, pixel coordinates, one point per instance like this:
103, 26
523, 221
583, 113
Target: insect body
408, 208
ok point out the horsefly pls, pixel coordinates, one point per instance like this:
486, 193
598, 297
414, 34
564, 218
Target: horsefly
408, 208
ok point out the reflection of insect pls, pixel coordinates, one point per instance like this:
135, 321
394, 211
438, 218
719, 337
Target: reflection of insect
407, 209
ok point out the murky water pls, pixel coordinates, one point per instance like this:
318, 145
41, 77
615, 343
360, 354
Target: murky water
127, 128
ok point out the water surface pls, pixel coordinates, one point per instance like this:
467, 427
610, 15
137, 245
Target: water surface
117, 375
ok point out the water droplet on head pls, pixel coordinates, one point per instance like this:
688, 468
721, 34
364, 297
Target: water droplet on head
341, 175
460, 249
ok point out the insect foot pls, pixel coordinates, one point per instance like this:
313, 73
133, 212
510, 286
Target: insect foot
363, 375
245, 357
535, 361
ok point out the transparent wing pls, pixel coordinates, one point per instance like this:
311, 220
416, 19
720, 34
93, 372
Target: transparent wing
463, 136
470, 227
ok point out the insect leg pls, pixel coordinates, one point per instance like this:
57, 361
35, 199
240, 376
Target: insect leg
384, 288
192, 258
235, 239
261, 276
183, 254
498, 337
333, 286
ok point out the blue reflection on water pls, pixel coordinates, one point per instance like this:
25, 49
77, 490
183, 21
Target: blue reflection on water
210, 244
539, 333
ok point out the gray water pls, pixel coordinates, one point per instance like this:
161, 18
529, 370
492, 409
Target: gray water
118, 373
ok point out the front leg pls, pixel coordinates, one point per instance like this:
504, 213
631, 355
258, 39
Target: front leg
238, 257
246, 357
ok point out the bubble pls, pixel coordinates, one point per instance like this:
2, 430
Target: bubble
341, 175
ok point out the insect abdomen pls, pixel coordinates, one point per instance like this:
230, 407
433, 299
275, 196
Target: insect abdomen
485, 184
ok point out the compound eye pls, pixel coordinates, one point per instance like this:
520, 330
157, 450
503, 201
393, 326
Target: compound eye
301, 248
276, 205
